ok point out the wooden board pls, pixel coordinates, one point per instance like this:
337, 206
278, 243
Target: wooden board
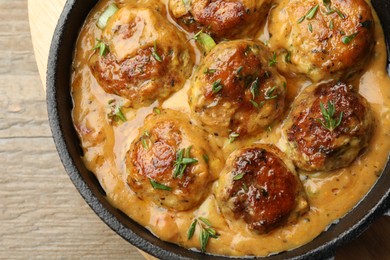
72, 239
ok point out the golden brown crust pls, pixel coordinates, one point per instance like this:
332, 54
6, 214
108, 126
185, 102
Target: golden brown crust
236, 89
316, 147
143, 63
222, 19
259, 188
153, 160
323, 41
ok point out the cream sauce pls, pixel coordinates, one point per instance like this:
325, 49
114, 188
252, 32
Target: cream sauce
331, 195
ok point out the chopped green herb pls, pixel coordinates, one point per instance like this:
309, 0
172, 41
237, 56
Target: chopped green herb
329, 122
102, 47
285, 85
257, 105
209, 71
182, 160
115, 113
206, 158
204, 239
326, 3
273, 60
310, 27
255, 88
312, 12
145, 144
196, 35
233, 136
331, 25
301, 19
287, 57
269, 92
339, 13
206, 231
217, 86
206, 221
346, 39
157, 110
106, 15
238, 177
238, 72
155, 54
191, 230
159, 186
206, 41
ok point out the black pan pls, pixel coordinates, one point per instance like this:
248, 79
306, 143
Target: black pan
59, 102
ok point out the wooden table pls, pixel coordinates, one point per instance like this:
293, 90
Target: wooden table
42, 216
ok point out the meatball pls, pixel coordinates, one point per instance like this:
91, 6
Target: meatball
143, 62
328, 126
322, 39
259, 186
236, 89
170, 162
222, 19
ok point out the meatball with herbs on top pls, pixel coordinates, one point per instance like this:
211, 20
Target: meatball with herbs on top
260, 187
236, 89
322, 39
141, 56
170, 162
230, 19
328, 126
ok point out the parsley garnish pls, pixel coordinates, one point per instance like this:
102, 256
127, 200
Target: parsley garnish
287, 57
269, 92
217, 86
157, 110
182, 160
159, 186
312, 12
102, 47
331, 25
257, 105
238, 177
209, 71
233, 136
273, 60
255, 88
115, 113
155, 54
329, 122
346, 39
145, 136
206, 231
309, 15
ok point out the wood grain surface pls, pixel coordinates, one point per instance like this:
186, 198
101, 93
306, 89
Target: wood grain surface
42, 216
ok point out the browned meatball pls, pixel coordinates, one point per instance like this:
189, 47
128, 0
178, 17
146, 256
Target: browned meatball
328, 126
260, 187
166, 163
322, 39
222, 19
235, 89
142, 62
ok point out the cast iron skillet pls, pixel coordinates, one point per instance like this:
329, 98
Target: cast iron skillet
59, 102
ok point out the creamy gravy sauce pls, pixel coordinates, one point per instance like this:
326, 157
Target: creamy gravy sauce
331, 195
